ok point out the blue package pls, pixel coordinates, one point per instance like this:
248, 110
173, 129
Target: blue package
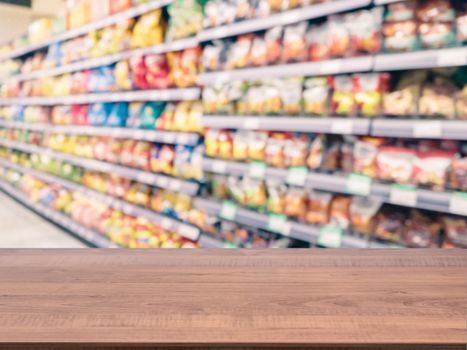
98, 114
118, 115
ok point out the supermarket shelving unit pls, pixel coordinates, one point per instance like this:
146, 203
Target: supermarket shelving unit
447, 202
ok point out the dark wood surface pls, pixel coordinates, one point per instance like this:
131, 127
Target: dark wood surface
80, 299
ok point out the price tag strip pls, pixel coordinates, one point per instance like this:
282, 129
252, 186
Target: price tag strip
278, 223
330, 237
403, 195
458, 203
228, 210
257, 170
359, 184
428, 129
297, 176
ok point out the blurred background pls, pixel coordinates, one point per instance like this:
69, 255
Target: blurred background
233, 124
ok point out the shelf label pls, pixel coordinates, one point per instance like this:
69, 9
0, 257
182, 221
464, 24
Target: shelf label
458, 203
251, 123
342, 127
278, 223
162, 181
168, 138
228, 210
145, 178
454, 57
359, 184
219, 166
166, 224
330, 237
175, 185
403, 195
257, 170
428, 129
297, 176
183, 139
289, 17
188, 231
229, 245
330, 67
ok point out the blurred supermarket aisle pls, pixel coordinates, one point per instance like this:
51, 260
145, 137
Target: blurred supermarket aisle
22, 228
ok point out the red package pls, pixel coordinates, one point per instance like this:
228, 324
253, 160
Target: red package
421, 230
157, 72
139, 70
365, 155
79, 114
294, 43
365, 30
339, 37
318, 42
395, 164
273, 38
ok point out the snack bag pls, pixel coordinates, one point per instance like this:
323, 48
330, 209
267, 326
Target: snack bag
138, 69
214, 56
257, 146
461, 103
342, 100
395, 164
291, 95
258, 53
122, 35
240, 145
211, 143
431, 168
461, 25
317, 39
295, 203
315, 157
435, 11
272, 102
184, 66
117, 117
274, 151
390, 223
365, 156
316, 96
150, 113
295, 151
339, 214
458, 174
239, 52
225, 144
421, 231
123, 76
294, 43
400, 11
368, 93
148, 30
157, 72
256, 98
364, 27
273, 38
98, 113
455, 229
436, 35
363, 212
400, 36
120, 5
339, 36
255, 193
276, 197
141, 155
437, 99
135, 110
319, 204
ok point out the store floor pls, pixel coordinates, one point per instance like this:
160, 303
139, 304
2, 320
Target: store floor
22, 228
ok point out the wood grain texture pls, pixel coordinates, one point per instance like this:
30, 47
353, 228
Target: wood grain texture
372, 299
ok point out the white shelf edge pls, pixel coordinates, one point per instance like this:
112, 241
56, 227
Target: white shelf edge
187, 94
160, 136
99, 24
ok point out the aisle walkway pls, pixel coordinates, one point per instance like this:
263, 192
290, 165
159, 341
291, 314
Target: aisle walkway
22, 228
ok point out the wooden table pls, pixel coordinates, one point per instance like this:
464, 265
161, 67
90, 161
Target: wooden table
222, 299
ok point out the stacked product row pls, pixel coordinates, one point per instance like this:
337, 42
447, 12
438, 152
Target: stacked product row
92, 109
